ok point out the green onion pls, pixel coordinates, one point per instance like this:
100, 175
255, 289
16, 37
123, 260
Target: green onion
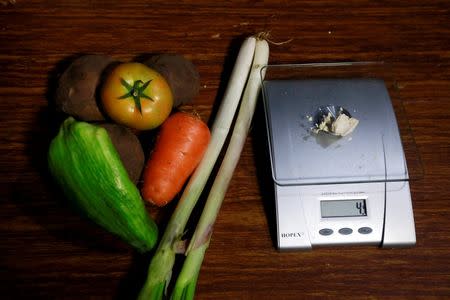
186, 282
160, 269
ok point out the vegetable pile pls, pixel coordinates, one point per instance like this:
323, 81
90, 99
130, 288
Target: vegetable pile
98, 159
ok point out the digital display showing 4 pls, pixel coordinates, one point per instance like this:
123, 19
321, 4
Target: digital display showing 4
343, 208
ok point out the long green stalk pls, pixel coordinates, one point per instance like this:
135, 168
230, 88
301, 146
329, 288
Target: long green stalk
186, 282
160, 269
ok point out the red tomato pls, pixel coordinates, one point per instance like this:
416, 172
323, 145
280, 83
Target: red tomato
136, 96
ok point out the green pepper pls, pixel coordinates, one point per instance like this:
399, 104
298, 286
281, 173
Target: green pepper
85, 163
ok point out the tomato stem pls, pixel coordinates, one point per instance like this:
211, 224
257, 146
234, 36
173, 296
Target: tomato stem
135, 91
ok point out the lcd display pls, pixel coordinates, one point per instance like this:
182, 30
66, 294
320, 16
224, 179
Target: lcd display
343, 208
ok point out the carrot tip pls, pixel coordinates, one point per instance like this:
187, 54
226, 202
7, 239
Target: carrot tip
156, 203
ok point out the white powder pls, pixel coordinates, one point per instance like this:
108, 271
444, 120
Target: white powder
341, 126
344, 125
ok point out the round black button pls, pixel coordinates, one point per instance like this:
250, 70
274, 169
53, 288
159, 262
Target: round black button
326, 231
345, 231
365, 230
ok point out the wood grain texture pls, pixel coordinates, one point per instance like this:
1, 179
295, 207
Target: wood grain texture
48, 252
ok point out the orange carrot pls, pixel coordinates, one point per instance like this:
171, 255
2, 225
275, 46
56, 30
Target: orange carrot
180, 146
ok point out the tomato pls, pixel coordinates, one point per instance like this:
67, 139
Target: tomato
136, 96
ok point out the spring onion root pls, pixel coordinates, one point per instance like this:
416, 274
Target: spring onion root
186, 282
160, 269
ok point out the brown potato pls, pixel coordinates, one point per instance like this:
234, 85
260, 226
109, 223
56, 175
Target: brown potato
77, 87
129, 148
180, 73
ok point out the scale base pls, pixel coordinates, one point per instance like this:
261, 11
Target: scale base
389, 222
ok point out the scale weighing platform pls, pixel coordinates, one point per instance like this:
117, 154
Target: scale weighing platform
332, 190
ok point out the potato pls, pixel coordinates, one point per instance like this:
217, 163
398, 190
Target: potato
180, 73
77, 87
129, 148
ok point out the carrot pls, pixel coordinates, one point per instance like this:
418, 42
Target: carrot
180, 146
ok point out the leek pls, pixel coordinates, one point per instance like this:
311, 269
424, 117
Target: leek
187, 280
160, 269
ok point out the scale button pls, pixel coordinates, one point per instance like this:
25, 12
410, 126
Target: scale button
365, 230
326, 231
345, 231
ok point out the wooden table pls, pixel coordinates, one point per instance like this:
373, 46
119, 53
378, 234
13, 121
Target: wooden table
48, 252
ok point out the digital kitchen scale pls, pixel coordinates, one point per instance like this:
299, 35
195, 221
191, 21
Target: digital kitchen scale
331, 190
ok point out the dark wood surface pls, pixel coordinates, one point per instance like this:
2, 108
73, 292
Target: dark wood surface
48, 252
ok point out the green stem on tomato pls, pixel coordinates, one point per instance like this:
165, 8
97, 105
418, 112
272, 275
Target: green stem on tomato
136, 92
